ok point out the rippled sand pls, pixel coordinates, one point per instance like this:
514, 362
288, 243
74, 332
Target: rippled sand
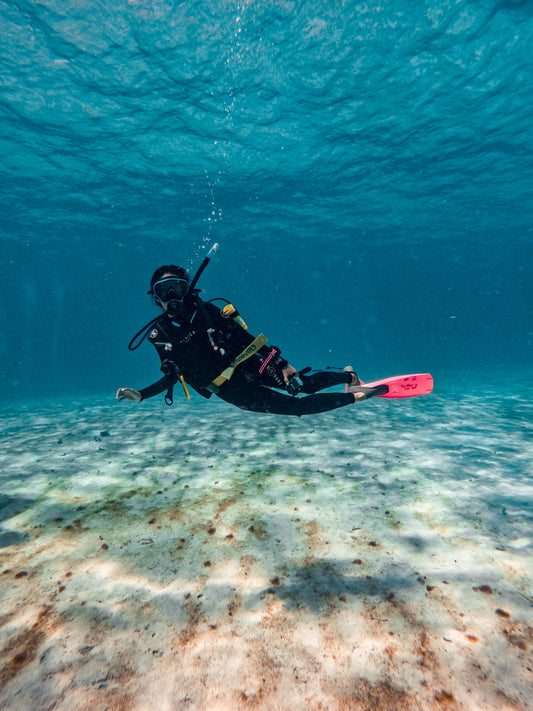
199, 557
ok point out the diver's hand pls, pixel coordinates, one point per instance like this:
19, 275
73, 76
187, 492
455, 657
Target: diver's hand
288, 371
128, 394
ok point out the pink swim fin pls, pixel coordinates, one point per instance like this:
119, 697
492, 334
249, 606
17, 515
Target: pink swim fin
405, 385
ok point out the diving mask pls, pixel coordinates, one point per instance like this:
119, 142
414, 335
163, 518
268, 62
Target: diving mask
170, 288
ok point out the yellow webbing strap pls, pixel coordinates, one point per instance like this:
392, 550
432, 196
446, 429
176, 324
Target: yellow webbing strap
185, 388
249, 351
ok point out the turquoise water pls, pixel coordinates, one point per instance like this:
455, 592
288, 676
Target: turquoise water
367, 169
365, 166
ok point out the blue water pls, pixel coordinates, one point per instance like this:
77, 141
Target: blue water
366, 167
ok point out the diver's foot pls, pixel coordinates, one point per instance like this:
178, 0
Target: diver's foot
360, 392
355, 379
379, 390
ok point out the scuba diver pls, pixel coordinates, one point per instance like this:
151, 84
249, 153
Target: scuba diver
210, 349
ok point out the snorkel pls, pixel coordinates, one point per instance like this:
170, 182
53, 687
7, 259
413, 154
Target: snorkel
202, 266
174, 305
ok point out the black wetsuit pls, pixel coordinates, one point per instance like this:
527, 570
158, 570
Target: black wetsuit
202, 341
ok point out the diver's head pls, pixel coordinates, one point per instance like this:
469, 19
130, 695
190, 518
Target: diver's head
169, 286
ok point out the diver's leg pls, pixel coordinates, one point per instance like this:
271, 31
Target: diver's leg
326, 379
323, 379
361, 392
260, 399
257, 398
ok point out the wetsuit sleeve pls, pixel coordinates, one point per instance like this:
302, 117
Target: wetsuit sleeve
163, 384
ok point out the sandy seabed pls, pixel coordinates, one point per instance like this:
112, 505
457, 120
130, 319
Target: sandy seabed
200, 557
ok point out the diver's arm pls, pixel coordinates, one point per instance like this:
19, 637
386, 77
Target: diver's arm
283, 365
162, 384
128, 394
288, 371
